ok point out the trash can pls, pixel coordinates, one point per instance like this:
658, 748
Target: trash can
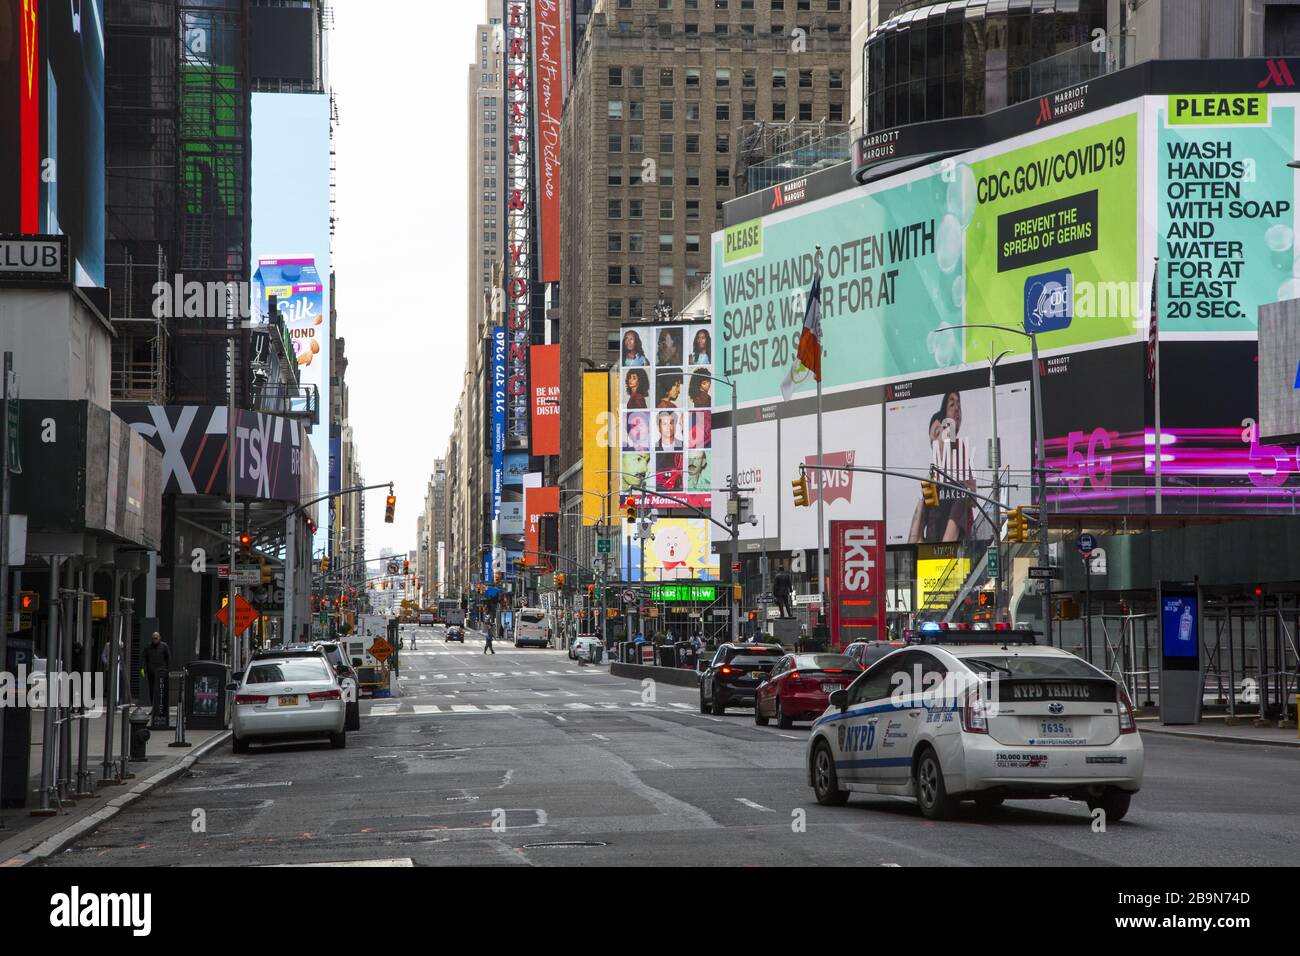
666, 655
139, 735
686, 656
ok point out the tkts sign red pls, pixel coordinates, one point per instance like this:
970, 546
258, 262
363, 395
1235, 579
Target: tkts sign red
838, 484
857, 585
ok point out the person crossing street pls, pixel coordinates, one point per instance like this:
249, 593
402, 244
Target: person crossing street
487, 642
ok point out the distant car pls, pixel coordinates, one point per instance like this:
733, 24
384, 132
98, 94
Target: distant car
454, 633
288, 695
732, 677
587, 647
800, 686
532, 628
975, 718
866, 653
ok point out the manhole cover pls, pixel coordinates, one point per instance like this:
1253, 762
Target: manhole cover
567, 845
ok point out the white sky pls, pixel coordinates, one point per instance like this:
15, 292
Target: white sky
398, 70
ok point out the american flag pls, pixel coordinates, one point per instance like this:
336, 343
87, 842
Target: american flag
1153, 335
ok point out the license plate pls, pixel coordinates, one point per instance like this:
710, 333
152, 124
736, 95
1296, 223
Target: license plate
288, 700
1054, 728
757, 675
830, 688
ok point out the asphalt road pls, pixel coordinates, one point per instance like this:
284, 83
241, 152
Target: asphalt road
526, 758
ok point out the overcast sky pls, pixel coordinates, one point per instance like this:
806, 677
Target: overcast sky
398, 69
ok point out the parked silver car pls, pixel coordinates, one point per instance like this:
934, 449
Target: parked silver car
289, 695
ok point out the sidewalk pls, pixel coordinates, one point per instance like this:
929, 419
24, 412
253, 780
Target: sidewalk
26, 838
1215, 727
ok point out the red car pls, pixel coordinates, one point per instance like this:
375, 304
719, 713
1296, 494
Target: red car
800, 685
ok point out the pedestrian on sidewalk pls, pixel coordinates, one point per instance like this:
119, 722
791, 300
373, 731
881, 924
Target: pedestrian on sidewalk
487, 642
157, 661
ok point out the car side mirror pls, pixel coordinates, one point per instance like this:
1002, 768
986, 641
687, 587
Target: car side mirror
233, 685
840, 699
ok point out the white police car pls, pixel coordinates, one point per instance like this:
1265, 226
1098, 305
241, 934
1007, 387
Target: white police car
979, 716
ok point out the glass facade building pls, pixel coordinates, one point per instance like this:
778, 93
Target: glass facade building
966, 57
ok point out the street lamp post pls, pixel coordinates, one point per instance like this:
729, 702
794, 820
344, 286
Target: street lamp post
733, 501
1040, 454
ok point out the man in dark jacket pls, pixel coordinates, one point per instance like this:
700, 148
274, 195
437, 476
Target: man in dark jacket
156, 659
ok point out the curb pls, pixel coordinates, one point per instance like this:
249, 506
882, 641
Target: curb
91, 821
1221, 738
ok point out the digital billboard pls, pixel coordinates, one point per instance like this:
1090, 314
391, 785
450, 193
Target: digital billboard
291, 233
550, 87
544, 366
520, 200
52, 112
679, 550
599, 441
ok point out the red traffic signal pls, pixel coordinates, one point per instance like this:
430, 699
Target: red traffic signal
245, 540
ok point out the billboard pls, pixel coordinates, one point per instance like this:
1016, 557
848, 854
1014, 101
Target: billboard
857, 582
498, 417
679, 550
599, 441
52, 112
946, 424
544, 365
550, 88
519, 213
291, 233
538, 502
666, 406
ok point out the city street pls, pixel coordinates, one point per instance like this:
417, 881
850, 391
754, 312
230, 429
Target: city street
574, 767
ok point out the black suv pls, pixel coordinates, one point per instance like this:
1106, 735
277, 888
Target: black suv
733, 675
347, 677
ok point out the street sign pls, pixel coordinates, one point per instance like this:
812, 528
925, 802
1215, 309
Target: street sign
15, 464
629, 596
381, 650
603, 545
1044, 573
735, 567
245, 614
392, 567
1085, 543
994, 562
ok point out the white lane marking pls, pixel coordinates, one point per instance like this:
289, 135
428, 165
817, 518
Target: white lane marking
756, 806
600, 737
557, 717
463, 708
501, 707
679, 704
891, 864
657, 760
234, 786
399, 861
789, 737
426, 709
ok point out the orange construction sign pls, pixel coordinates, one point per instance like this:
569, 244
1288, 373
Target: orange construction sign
245, 614
381, 650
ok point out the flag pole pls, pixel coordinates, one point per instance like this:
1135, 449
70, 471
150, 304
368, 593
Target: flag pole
822, 630
1155, 378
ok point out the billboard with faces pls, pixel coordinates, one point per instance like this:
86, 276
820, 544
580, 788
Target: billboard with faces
665, 415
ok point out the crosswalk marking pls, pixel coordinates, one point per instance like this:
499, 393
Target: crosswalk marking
408, 709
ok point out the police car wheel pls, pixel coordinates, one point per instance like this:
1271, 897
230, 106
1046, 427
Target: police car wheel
238, 746
826, 782
931, 793
1114, 803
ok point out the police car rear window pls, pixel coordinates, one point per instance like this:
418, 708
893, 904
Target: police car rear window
1031, 666
755, 657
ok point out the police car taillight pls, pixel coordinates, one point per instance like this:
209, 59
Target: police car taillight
1126, 723
974, 713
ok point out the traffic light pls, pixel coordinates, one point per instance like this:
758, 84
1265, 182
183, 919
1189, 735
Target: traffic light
245, 544
29, 602
406, 566
324, 564
800, 488
1017, 525
930, 493
388, 509
737, 593
591, 589
631, 512
266, 573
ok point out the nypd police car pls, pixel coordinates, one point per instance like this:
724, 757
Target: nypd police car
982, 716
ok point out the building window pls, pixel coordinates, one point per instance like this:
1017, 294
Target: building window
778, 112
666, 144
692, 209
615, 76
636, 110
615, 109
693, 242
805, 79
837, 113
615, 275
638, 76
692, 76
665, 242
778, 79
723, 177
805, 112
635, 242
615, 177
614, 242
634, 309
636, 143
614, 309
616, 209
666, 176
724, 144
722, 77
635, 208
666, 77
693, 112
634, 275
749, 80
723, 112
747, 112
615, 143
666, 277
665, 209
837, 79
692, 142
692, 175
665, 109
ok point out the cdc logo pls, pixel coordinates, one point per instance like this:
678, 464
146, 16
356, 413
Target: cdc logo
1049, 301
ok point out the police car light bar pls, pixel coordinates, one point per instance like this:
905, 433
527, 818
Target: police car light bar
966, 636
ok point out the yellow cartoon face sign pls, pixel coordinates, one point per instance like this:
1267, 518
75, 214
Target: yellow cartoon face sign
679, 551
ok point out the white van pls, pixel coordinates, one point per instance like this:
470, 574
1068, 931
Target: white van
532, 628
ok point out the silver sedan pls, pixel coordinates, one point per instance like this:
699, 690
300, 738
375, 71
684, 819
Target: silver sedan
288, 697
